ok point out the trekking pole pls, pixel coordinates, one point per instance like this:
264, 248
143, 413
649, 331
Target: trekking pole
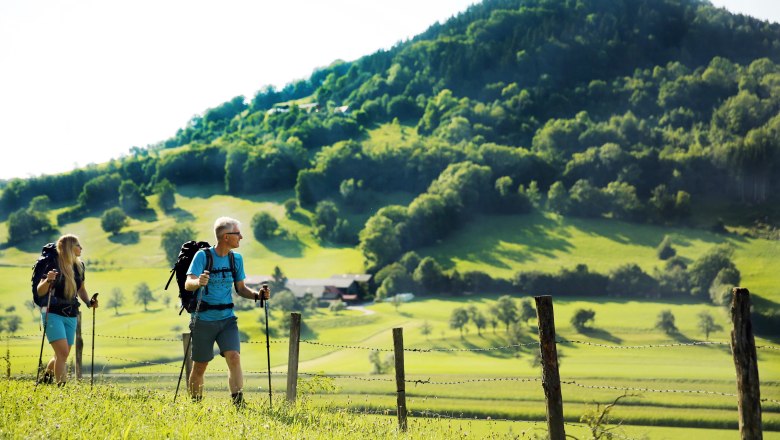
267, 346
189, 341
181, 373
92, 369
43, 338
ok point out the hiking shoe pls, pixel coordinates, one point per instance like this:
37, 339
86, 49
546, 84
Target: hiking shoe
238, 400
197, 399
47, 378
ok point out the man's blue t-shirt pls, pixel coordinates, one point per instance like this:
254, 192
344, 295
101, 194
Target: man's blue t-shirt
220, 282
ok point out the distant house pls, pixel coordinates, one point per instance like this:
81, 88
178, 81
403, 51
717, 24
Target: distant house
279, 108
310, 107
347, 288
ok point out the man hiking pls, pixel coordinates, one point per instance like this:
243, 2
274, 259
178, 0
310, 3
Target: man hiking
215, 271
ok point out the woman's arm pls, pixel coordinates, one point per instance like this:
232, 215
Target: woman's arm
85, 296
46, 282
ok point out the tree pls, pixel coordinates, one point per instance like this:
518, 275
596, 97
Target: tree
116, 300
581, 318
290, 205
264, 225
426, 328
379, 242
430, 275
130, 197
143, 295
479, 320
721, 289
101, 191
558, 198
113, 220
286, 301
166, 195
705, 269
505, 310
40, 203
25, 223
326, 216
458, 319
707, 324
665, 322
337, 306
665, 250
173, 238
12, 324
381, 366
278, 281
527, 310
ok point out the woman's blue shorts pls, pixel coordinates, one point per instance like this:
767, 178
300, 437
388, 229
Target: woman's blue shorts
59, 327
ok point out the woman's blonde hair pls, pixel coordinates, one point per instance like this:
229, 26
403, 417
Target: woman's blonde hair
67, 260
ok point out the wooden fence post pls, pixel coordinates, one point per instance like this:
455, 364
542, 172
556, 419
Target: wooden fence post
551, 379
185, 339
400, 377
743, 348
292, 357
79, 346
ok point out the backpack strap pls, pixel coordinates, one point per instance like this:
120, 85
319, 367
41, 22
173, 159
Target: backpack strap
209, 265
232, 259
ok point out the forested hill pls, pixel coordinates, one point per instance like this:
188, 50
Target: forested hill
632, 109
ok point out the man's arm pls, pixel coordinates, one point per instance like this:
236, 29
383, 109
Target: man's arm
194, 282
246, 292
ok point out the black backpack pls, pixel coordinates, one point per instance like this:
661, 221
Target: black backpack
189, 300
46, 261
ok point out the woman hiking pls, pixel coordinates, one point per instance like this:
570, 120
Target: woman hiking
66, 282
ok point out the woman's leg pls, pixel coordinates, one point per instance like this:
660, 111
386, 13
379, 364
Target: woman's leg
61, 352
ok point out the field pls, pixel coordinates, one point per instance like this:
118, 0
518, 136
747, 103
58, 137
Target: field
676, 389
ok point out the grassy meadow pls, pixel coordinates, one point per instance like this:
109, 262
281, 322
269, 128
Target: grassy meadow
458, 381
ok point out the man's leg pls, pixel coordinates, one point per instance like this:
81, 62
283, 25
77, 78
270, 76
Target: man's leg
195, 381
235, 375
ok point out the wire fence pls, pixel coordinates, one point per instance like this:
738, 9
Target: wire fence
175, 365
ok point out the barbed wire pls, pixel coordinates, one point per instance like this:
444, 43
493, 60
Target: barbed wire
436, 349
418, 350
651, 390
486, 379
633, 347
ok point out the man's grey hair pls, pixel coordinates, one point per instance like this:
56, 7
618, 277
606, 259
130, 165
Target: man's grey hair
225, 224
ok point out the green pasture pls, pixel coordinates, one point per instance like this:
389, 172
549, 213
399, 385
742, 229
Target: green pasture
668, 385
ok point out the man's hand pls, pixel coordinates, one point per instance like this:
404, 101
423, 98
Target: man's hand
203, 279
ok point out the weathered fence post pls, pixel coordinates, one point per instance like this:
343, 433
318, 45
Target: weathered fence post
185, 339
292, 357
743, 348
400, 377
79, 346
551, 379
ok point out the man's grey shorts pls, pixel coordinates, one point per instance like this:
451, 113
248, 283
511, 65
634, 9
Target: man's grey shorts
224, 332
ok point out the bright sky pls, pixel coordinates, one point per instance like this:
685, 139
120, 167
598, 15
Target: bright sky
82, 81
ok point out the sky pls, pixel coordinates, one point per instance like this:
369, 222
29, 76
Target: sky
83, 81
